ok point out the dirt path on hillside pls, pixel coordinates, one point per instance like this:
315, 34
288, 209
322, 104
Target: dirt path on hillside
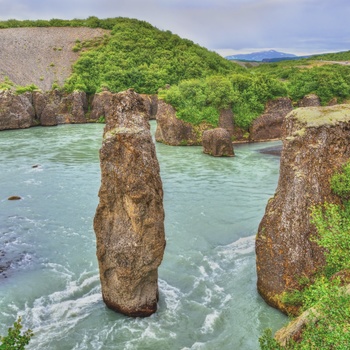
41, 55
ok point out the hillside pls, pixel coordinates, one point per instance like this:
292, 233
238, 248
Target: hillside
131, 54
41, 55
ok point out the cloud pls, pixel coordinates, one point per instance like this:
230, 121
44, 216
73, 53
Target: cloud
300, 25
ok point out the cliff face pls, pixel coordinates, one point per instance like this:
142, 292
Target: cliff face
16, 111
269, 125
317, 144
129, 220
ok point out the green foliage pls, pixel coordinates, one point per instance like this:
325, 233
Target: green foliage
267, 342
139, 56
337, 56
200, 100
340, 182
326, 82
327, 296
101, 119
6, 84
22, 89
15, 339
305, 76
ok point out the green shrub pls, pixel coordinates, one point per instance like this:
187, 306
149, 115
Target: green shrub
22, 89
15, 339
327, 296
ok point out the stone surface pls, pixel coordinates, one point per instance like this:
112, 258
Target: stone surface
317, 145
16, 111
311, 100
226, 120
129, 220
173, 131
55, 107
151, 104
217, 142
100, 105
269, 125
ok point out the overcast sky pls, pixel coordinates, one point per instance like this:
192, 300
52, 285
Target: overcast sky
225, 26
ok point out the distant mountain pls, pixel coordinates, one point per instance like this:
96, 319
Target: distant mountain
261, 56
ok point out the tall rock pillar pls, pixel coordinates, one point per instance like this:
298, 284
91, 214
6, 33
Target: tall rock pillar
317, 145
129, 220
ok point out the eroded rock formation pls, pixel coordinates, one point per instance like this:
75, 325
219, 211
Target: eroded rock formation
317, 144
16, 111
269, 125
173, 131
129, 220
217, 142
55, 107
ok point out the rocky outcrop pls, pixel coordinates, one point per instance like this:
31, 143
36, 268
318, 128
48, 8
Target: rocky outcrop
100, 106
55, 107
151, 104
129, 220
317, 144
269, 125
16, 111
217, 142
173, 131
226, 120
311, 100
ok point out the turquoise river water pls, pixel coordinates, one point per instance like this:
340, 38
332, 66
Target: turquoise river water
48, 268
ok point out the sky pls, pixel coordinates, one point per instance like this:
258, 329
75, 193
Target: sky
225, 26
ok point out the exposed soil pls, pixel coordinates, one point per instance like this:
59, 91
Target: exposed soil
41, 55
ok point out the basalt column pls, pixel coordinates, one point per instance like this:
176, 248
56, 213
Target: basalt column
316, 146
129, 220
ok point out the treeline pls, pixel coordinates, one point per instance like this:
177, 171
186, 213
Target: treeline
91, 22
308, 77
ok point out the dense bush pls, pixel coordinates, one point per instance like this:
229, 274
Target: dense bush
200, 100
139, 56
15, 339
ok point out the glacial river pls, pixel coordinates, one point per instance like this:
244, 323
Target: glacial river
48, 268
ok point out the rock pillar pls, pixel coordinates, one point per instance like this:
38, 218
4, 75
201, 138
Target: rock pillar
317, 145
129, 220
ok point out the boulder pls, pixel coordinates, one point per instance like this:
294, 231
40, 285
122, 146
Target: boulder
173, 131
269, 125
317, 145
16, 111
129, 220
217, 142
311, 100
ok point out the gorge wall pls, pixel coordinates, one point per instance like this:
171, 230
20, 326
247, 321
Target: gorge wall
129, 220
317, 144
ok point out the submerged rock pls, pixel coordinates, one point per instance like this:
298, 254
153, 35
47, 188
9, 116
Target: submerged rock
317, 145
217, 142
129, 220
14, 198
